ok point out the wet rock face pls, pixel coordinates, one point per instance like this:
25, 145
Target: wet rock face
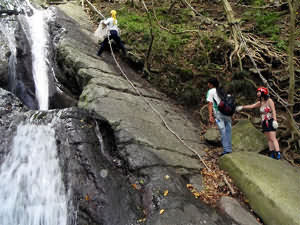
22, 84
4, 55
97, 173
11, 113
99, 191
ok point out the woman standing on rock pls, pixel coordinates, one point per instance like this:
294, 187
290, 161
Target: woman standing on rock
269, 120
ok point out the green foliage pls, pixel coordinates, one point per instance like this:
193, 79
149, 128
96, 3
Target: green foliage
253, 2
171, 43
132, 22
280, 43
258, 2
212, 53
164, 42
266, 23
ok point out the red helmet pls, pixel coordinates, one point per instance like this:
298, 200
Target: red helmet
263, 90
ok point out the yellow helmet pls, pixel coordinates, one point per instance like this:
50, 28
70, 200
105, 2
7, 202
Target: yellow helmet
113, 12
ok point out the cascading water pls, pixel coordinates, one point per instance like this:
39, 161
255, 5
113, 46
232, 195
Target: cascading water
8, 32
34, 25
39, 36
31, 187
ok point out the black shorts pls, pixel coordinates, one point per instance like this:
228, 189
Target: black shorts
267, 127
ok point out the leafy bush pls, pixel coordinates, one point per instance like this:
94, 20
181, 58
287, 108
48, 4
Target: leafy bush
266, 23
252, 2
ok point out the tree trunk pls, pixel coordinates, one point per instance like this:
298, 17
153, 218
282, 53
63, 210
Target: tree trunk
291, 48
293, 6
234, 29
146, 63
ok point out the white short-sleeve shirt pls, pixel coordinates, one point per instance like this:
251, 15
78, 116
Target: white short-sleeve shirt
211, 96
111, 25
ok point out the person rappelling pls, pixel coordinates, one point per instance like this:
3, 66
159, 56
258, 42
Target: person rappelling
110, 26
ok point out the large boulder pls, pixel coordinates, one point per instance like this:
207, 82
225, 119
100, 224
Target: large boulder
271, 186
245, 137
212, 136
236, 211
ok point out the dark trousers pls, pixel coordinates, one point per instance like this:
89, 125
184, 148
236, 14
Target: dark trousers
115, 36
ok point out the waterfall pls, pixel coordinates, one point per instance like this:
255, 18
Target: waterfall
39, 36
7, 30
35, 25
31, 187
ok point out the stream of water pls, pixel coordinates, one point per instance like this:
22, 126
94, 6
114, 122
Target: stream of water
31, 187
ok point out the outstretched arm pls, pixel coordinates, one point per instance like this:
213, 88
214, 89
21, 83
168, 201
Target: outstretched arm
255, 105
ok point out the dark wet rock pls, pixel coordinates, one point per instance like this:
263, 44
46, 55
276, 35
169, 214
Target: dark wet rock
100, 197
4, 56
11, 114
24, 82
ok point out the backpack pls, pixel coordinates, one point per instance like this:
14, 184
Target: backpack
101, 33
226, 105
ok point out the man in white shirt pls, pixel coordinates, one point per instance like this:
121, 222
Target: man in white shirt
112, 27
223, 121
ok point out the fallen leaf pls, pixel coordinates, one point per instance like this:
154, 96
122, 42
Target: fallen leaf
161, 211
141, 220
134, 186
167, 177
87, 198
189, 186
166, 192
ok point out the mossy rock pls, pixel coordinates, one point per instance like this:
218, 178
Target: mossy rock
271, 186
245, 137
213, 137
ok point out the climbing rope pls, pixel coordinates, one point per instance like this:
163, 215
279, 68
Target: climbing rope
92, 7
153, 108
139, 93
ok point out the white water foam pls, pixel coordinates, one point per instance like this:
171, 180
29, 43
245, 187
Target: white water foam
39, 38
31, 187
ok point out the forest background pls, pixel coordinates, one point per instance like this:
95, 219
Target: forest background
177, 45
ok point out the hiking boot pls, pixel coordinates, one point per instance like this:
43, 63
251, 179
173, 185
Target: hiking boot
272, 154
278, 155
